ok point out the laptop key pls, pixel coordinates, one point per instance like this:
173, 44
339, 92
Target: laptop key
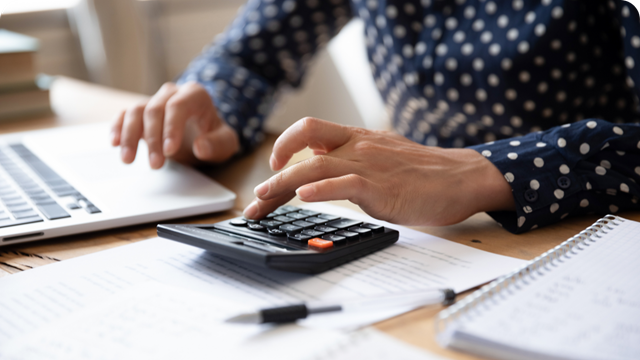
9, 222
92, 209
53, 211
25, 214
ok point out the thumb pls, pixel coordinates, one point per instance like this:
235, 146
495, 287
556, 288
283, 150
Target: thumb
217, 145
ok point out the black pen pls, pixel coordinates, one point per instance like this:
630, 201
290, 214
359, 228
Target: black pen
290, 313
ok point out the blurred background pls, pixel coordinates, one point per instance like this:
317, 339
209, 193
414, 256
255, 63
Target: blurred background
137, 45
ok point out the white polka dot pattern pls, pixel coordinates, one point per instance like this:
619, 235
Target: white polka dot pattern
528, 78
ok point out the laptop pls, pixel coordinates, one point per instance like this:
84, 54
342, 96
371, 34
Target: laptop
70, 180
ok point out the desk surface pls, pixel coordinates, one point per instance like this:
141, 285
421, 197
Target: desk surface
76, 102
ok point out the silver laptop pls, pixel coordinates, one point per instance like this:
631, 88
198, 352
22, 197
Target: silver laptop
70, 180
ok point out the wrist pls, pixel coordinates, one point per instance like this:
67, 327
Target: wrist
492, 190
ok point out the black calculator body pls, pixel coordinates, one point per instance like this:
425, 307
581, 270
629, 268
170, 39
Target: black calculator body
289, 239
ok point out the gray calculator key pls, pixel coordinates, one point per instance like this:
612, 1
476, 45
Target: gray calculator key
312, 233
271, 224
297, 216
361, 231
299, 237
284, 219
375, 228
290, 228
350, 235
289, 208
343, 223
309, 212
316, 220
53, 211
325, 228
304, 224
329, 217
337, 239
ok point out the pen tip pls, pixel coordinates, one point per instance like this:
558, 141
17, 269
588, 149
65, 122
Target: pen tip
249, 318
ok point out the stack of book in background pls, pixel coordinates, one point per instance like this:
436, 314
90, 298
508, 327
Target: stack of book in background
22, 92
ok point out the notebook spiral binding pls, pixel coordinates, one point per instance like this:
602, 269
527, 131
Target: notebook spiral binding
520, 276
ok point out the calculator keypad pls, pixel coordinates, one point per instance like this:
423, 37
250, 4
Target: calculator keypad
310, 228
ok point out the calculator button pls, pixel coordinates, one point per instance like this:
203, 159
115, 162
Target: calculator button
375, 228
299, 237
304, 224
320, 243
289, 208
238, 222
290, 228
277, 232
256, 227
312, 233
350, 235
284, 219
316, 220
325, 228
297, 216
343, 223
271, 215
329, 217
271, 224
337, 239
361, 231
281, 211
308, 212
251, 221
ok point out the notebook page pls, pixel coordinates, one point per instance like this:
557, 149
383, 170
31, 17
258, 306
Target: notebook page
587, 307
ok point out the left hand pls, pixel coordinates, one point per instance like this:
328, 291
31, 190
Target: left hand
390, 177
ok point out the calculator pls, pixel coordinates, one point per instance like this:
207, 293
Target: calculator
289, 239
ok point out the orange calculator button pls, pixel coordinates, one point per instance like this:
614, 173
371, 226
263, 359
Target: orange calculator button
319, 243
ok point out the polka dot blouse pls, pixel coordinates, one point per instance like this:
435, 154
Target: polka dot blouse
546, 90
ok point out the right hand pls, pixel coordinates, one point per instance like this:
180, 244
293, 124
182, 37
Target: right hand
179, 122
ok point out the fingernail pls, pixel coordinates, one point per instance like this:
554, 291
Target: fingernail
155, 160
262, 189
168, 146
125, 154
272, 162
251, 210
305, 191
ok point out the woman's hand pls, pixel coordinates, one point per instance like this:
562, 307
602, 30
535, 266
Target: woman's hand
389, 177
179, 122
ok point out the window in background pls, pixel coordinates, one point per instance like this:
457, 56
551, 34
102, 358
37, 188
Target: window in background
19, 6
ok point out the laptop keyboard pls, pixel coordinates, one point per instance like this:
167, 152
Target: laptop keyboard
34, 203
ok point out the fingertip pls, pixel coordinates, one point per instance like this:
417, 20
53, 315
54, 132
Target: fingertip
156, 160
202, 149
115, 138
306, 192
127, 154
169, 147
251, 211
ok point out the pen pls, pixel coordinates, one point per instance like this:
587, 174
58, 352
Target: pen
290, 313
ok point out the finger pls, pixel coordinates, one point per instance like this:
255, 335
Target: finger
131, 133
259, 209
116, 129
190, 100
153, 121
309, 132
217, 145
350, 187
307, 171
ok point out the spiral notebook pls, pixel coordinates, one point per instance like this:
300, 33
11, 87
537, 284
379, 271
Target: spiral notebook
580, 300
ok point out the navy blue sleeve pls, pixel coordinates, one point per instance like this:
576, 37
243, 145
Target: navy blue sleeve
588, 167
268, 46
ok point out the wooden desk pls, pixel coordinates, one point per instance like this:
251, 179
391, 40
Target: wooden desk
77, 102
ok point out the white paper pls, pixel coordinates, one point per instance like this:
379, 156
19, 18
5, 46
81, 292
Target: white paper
156, 321
51, 293
585, 306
